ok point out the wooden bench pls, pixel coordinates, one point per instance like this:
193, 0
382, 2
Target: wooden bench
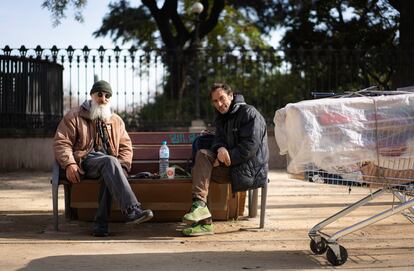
169, 199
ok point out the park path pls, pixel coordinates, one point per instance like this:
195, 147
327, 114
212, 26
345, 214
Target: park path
28, 242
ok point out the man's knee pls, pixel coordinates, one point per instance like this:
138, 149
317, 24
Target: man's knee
204, 151
110, 160
205, 154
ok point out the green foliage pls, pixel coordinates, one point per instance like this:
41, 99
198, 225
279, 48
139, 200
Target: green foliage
336, 24
137, 24
127, 23
235, 30
325, 26
162, 112
58, 8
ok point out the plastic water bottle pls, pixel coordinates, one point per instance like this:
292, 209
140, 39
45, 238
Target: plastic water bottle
164, 156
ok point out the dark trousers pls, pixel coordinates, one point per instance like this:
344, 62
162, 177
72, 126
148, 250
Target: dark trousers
113, 184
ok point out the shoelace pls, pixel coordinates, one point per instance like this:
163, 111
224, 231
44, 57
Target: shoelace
194, 206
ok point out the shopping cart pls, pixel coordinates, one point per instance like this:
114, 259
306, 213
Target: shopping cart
373, 149
401, 187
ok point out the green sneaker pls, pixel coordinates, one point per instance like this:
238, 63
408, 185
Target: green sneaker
198, 230
196, 213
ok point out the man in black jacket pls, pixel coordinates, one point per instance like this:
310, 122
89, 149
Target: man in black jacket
238, 154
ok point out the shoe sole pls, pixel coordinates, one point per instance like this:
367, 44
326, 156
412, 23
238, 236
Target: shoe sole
199, 234
196, 221
141, 220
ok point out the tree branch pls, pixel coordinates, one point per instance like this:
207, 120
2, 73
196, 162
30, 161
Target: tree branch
208, 25
183, 35
162, 22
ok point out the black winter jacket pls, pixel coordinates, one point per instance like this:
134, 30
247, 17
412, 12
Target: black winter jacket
243, 132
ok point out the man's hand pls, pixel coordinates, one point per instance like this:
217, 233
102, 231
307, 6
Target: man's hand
223, 156
72, 173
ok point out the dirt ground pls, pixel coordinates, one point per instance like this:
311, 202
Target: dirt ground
28, 242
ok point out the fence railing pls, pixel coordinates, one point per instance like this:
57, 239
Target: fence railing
30, 95
146, 96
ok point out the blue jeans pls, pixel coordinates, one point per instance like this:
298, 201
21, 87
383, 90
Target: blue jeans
114, 184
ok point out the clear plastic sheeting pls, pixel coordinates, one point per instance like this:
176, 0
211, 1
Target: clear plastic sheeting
365, 141
340, 135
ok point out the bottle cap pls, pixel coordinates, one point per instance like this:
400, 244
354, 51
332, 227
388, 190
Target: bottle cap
164, 142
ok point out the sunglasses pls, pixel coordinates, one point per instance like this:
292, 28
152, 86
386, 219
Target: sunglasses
107, 95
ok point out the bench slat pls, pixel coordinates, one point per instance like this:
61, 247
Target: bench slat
152, 152
155, 138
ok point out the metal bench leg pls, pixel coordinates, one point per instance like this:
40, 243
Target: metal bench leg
263, 206
253, 198
70, 213
55, 189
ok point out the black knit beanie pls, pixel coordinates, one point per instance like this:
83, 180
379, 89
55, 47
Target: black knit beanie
101, 86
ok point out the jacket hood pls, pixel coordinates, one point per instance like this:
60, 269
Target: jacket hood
238, 100
85, 109
87, 105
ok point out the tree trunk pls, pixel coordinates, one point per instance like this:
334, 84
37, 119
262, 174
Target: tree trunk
177, 78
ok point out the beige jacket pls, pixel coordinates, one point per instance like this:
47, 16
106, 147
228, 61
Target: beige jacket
74, 138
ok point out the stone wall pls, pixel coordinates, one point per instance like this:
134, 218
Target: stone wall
37, 154
26, 153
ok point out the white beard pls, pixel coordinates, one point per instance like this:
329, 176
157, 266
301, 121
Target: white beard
102, 111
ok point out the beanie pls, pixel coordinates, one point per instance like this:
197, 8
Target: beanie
101, 86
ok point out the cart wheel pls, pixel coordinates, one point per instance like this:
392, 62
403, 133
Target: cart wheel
318, 247
330, 255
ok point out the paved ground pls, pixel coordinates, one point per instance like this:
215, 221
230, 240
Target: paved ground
28, 242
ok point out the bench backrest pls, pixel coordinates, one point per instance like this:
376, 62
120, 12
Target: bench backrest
146, 149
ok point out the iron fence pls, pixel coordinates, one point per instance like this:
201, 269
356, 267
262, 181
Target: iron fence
145, 88
30, 96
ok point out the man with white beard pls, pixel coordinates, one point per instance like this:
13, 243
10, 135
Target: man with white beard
92, 142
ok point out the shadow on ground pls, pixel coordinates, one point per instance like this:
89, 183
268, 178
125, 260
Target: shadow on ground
207, 260
38, 225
